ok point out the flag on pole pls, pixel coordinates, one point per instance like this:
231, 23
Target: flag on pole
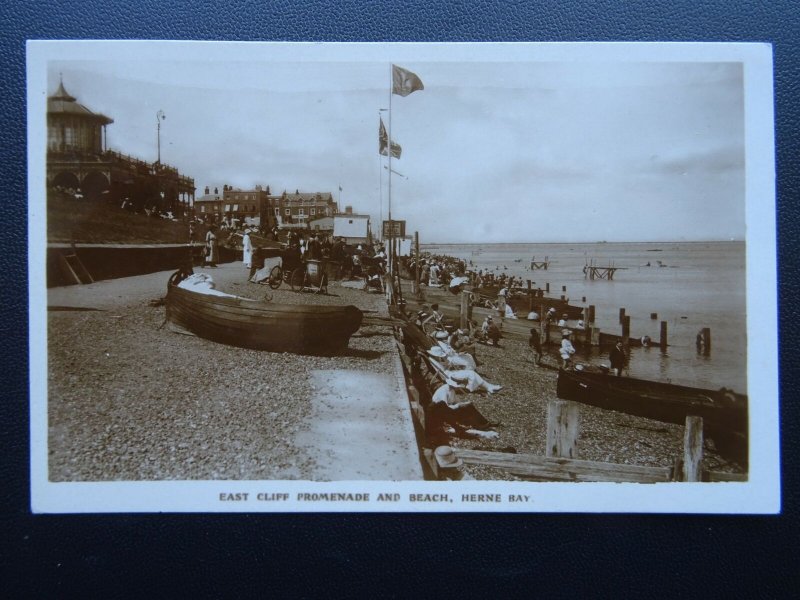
383, 142
405, 82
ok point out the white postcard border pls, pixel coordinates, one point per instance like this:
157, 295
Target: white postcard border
761, 494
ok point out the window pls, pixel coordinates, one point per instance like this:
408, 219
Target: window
202, 208
288, 212
235, 207
301, 212
277, 212
313, 212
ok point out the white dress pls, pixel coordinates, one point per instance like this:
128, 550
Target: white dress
248, 250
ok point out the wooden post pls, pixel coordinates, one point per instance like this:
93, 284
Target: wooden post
621, 315
662, 341
706, 341
693, 449
591, 313
530, 297
464, 310
626, 330
563, 426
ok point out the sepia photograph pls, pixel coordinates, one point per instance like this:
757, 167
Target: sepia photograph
278, 277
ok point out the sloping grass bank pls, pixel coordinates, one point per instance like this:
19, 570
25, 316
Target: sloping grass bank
88, 222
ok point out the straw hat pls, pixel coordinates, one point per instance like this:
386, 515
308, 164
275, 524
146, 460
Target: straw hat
446, 458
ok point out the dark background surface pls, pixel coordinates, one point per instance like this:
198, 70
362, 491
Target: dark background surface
534, 555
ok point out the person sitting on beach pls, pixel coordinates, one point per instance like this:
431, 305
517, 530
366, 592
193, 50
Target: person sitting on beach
510, 314
533, 316
567, 349
448, 407
562, 322
453, 358
433, 280
470, 378
491, 331
461, 342
434, 319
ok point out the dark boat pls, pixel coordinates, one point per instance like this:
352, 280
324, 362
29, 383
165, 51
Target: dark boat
304, 329
724, 412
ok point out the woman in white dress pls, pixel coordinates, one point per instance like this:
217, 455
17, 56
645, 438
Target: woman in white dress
247, 246
212, 247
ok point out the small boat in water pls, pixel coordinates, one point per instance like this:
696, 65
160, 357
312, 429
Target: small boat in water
300, 329
724, 412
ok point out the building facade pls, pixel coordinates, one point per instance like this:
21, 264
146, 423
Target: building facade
259, 208
300, 208
78, 160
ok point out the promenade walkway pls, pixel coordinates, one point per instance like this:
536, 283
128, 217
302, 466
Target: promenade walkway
130, 400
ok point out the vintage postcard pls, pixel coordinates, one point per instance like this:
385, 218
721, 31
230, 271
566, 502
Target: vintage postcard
279, 277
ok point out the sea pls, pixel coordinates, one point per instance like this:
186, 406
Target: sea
691, 285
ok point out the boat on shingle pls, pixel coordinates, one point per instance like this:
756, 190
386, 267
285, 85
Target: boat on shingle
226, 319
723, 411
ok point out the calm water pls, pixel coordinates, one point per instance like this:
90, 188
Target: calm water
702, 285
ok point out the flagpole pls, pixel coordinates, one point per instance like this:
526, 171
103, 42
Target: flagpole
389, 148
380, 173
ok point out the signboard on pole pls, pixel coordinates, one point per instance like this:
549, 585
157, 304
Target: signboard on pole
394, 229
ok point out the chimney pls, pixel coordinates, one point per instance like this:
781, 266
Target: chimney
258, 188
206, 190
216, 190
348, 210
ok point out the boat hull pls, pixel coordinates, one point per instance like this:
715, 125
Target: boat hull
309, 329
724, 414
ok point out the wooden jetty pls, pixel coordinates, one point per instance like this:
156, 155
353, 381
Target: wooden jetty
593, 271
542, 265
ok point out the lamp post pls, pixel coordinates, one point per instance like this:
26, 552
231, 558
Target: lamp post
160, 116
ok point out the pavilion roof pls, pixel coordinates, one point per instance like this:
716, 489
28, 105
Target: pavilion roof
62, 103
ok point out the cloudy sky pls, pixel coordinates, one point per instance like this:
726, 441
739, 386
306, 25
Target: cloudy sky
493, 150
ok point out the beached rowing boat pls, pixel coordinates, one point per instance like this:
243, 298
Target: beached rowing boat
724, 412
301, 329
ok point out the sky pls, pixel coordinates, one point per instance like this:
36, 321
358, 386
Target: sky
493, 150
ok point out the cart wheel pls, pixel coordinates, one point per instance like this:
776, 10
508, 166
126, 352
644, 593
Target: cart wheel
275, 277
323, 285
297, 280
